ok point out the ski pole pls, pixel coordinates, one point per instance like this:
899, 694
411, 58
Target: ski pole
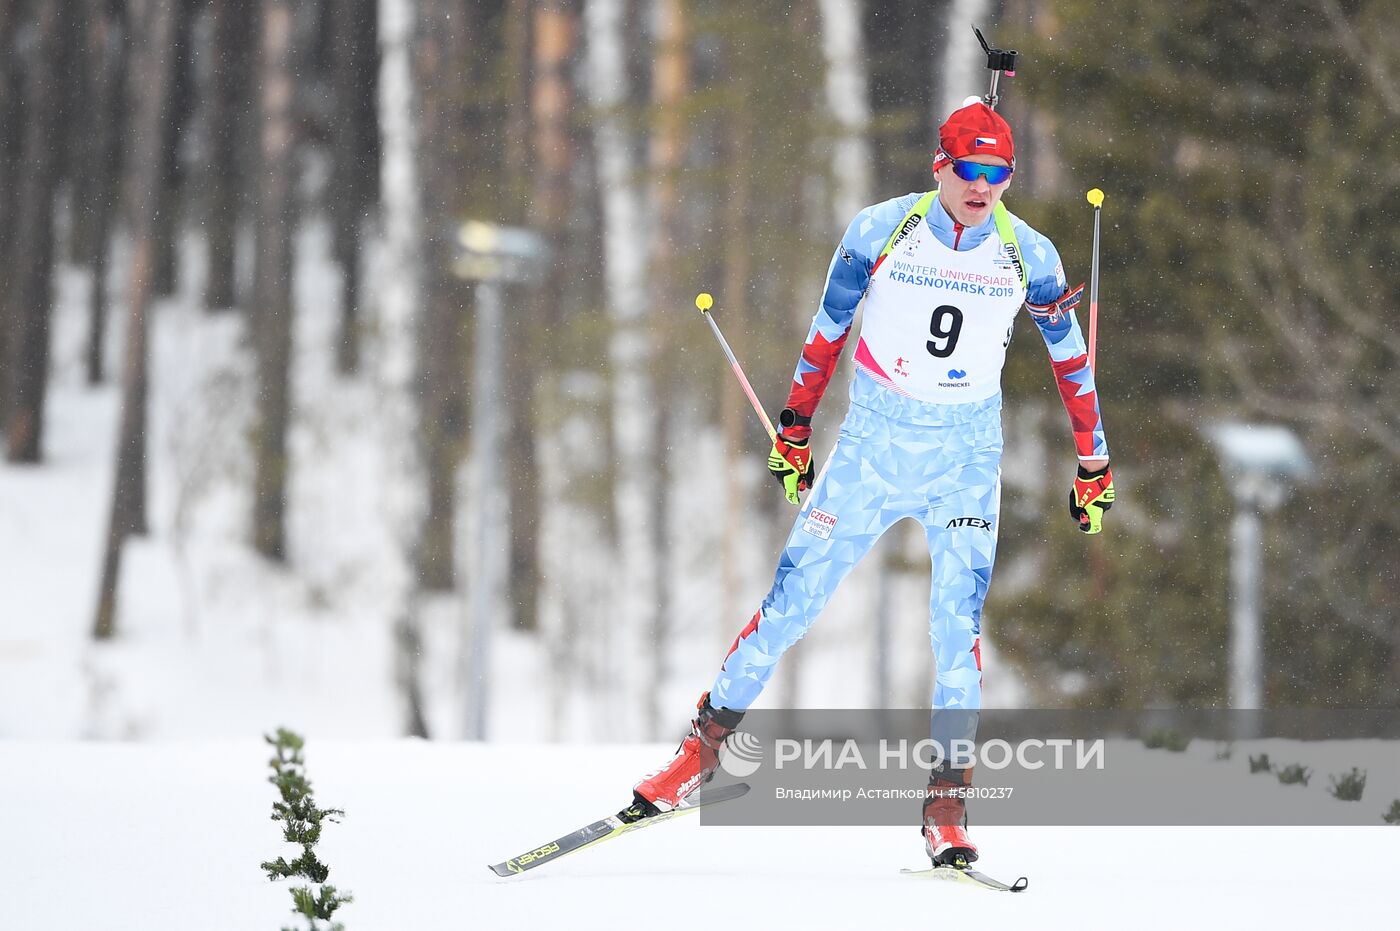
704, 302
1095, 197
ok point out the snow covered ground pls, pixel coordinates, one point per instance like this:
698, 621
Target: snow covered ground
163, 836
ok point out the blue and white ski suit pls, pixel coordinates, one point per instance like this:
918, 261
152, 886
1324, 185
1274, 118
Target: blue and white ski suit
922, 438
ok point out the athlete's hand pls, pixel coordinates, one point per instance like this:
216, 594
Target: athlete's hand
1091, 496
791, 464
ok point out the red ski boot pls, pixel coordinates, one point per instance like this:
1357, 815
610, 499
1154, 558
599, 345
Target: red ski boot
695, 761
945, 821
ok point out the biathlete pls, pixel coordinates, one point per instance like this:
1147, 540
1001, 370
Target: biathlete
943, 275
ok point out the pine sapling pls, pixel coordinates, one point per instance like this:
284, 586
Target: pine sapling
1166, 738
1348, 787
1392, 816
1294, 773
301, 825
1260, 764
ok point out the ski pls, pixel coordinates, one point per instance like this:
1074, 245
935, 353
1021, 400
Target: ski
969, 877
629, 819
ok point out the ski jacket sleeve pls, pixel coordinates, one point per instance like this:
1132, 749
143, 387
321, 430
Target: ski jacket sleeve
847, 278
1069, 355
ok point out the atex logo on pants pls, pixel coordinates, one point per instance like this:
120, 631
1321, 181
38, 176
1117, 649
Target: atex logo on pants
974, 522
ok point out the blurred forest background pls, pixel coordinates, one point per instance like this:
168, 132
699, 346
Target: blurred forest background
582, 470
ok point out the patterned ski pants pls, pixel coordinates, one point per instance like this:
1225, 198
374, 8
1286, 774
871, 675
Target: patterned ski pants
946, 477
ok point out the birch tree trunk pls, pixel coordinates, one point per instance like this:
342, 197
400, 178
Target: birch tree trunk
848, 99
802, 22
737, 268
852, 171
670, 87
636, 434
10, 137
153, 25
402, 288
172, 185
97, 186
963, 61
30, 282
440, 46
515, 79
272, 278
552, 108
552, 112
1040, 171
355, 169
228, 119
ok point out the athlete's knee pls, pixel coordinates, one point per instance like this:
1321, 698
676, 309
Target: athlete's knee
781, 631
959, 688
953, 633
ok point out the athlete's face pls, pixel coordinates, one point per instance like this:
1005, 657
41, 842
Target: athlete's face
970, 202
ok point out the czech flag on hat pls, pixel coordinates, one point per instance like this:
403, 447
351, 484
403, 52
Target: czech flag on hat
975, 129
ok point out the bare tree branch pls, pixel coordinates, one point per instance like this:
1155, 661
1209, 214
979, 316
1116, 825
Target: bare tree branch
1368, 61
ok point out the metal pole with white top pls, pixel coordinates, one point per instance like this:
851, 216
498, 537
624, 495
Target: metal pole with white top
1259, 460
1246, 668
491, 256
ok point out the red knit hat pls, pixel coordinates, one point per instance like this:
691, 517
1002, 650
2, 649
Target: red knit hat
975, 129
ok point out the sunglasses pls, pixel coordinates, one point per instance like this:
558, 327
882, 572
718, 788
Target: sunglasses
971, 171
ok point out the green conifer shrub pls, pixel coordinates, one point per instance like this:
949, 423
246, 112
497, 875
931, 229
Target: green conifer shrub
1166, 738
301, 824
1348, 786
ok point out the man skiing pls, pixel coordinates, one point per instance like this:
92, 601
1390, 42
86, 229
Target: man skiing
943, 275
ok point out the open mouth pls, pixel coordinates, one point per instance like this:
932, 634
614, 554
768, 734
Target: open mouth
976, 203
